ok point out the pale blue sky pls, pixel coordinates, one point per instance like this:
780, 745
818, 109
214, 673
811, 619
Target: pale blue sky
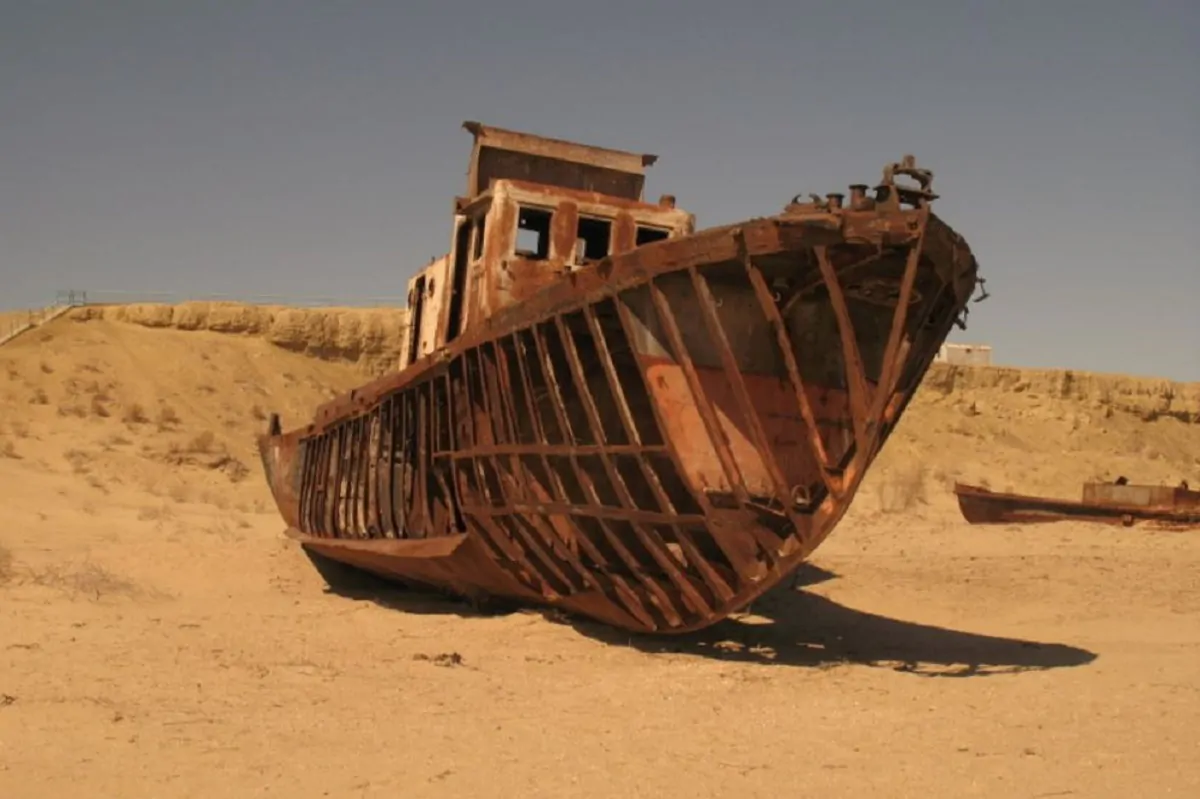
311, 149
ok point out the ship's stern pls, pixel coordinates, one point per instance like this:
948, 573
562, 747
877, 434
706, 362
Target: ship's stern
281, 457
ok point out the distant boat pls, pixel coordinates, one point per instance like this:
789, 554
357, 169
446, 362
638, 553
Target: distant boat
603, 409
1111, 503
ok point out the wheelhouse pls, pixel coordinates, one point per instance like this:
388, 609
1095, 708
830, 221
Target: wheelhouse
535, 210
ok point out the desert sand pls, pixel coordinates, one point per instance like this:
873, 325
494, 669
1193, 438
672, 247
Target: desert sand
160, 638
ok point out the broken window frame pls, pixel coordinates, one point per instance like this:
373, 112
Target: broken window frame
660, 233
542, 253
599, 221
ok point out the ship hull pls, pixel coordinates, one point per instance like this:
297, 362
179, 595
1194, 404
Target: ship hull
1103, 504
652, 442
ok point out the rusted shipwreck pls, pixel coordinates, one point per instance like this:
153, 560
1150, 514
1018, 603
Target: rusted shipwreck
602, 409
1119, 502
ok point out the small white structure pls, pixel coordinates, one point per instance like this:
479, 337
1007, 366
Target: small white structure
965, 354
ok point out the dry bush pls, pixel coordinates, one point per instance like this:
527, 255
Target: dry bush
72, 409
79, 460
6, 565
8, 450
167, 418
89, 579
47, 368
155, 514
218, 499
222, 529
903, 487
258, 413
203, 443
233, 468
98, 391
943, 477
39, 398
134, 414
99, 408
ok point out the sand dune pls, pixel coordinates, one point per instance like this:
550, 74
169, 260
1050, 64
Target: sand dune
158, 637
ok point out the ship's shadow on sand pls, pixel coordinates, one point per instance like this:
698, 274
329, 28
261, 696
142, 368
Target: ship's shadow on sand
787, 627
793, 627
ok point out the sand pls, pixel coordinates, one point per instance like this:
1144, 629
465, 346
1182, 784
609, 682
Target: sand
159, 637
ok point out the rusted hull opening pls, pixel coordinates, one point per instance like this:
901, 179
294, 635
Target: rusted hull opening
654, 453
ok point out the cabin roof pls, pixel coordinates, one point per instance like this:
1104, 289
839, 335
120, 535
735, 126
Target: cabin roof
499, 154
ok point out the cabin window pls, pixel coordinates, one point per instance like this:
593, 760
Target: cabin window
593, 237
533, 233
480, 229
645, 235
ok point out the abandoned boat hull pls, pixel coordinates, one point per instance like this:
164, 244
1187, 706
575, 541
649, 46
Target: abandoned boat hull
1102, 503
652, 442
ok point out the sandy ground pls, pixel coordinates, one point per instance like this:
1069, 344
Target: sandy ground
159, 638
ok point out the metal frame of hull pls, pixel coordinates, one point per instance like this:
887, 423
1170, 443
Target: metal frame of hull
652, 442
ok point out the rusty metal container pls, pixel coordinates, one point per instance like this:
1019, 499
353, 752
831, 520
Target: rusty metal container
605, 410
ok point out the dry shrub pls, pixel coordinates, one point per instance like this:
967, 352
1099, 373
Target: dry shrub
88, 579
8, 450
79, 460
99, 408
222, 529
167, 418
98, 391
943, 477
218, 499
155, 514
202, 444
233, 468
134, 414
72, 409
258, 413
6, 565
903, 487
47, 368
39, 397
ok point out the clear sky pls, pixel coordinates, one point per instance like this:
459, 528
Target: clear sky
312, 149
